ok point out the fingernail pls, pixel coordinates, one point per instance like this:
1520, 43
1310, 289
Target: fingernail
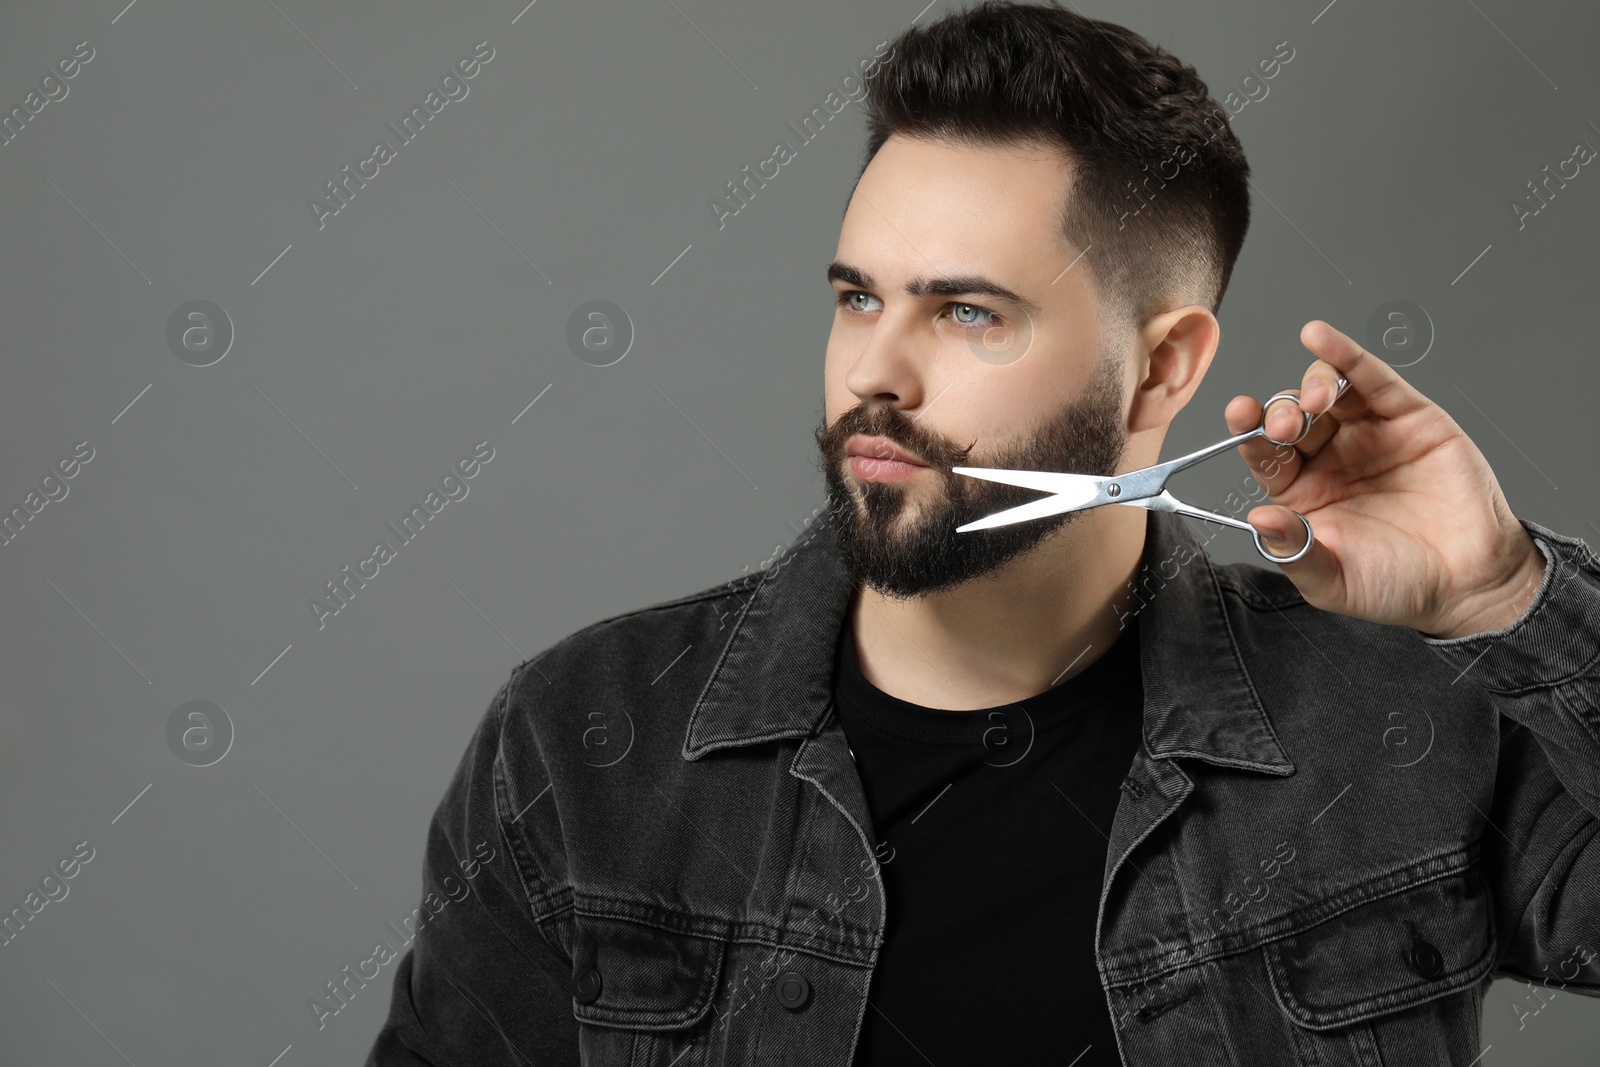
1272, 537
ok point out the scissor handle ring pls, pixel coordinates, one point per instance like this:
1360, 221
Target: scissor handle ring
1304, 551
1305, 425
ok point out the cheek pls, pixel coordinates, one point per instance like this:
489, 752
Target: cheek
988, 402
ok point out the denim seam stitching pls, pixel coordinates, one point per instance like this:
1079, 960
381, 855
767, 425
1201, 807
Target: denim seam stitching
843, 942
711, 680
1534, 896
1441, 865
1233, 644
1582, 670
1377, 1003
709, 927
515, 845
545, 903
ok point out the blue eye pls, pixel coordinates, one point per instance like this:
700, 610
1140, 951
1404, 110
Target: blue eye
965, 315
957, 309
847, 300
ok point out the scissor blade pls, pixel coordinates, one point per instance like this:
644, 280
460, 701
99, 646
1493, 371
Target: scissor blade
1072, 491
1045, 481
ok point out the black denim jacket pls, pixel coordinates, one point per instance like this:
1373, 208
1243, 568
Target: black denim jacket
1334, 836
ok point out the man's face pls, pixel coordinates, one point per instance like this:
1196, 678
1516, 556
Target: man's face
964, 334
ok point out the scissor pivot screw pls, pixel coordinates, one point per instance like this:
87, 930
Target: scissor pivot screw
1113, 490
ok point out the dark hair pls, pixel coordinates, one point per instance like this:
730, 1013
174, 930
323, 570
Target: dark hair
1159, 195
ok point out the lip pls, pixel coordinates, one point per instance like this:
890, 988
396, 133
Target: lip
880, 448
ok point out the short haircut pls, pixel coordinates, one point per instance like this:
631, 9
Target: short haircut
1159, 196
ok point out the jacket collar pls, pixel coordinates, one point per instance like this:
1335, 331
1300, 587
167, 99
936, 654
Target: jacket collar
774, 678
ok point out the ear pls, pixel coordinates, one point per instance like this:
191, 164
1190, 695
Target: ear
1175, 349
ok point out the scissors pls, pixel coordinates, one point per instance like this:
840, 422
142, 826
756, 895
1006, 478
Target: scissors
1145, 488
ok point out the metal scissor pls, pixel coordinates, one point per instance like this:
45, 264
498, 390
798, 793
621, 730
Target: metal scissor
1145, 488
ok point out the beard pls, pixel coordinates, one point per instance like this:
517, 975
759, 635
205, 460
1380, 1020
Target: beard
903, 546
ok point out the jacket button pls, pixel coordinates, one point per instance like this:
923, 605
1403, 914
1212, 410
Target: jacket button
793, 990
1425, 959
586, 987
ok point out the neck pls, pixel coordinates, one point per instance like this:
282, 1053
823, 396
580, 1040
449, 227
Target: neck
1041, 619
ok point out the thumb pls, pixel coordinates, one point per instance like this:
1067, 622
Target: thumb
1284, 534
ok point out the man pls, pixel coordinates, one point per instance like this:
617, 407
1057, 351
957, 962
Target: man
1060, 791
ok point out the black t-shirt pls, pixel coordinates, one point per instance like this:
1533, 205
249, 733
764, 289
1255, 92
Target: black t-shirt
992, 828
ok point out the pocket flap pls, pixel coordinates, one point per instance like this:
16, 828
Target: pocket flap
1386, 954
649, 978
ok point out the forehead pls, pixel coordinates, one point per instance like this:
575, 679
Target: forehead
945, 202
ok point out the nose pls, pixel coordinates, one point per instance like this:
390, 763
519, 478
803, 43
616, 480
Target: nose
887, 368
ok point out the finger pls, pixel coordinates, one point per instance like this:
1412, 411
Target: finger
1322, 387
1284, 420
1312, 575
1274, 465
1279, 527
1386, 393
1289, 416
1326, 396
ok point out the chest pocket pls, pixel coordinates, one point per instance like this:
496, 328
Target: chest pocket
639, 990
1392, 964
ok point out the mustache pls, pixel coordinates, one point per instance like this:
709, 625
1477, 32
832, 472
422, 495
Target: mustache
896, 426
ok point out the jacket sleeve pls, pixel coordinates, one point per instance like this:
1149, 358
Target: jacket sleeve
483, 984
1542, 843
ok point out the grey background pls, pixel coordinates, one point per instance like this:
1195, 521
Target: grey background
376, 351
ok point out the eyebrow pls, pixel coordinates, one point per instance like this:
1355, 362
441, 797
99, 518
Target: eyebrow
960, 285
